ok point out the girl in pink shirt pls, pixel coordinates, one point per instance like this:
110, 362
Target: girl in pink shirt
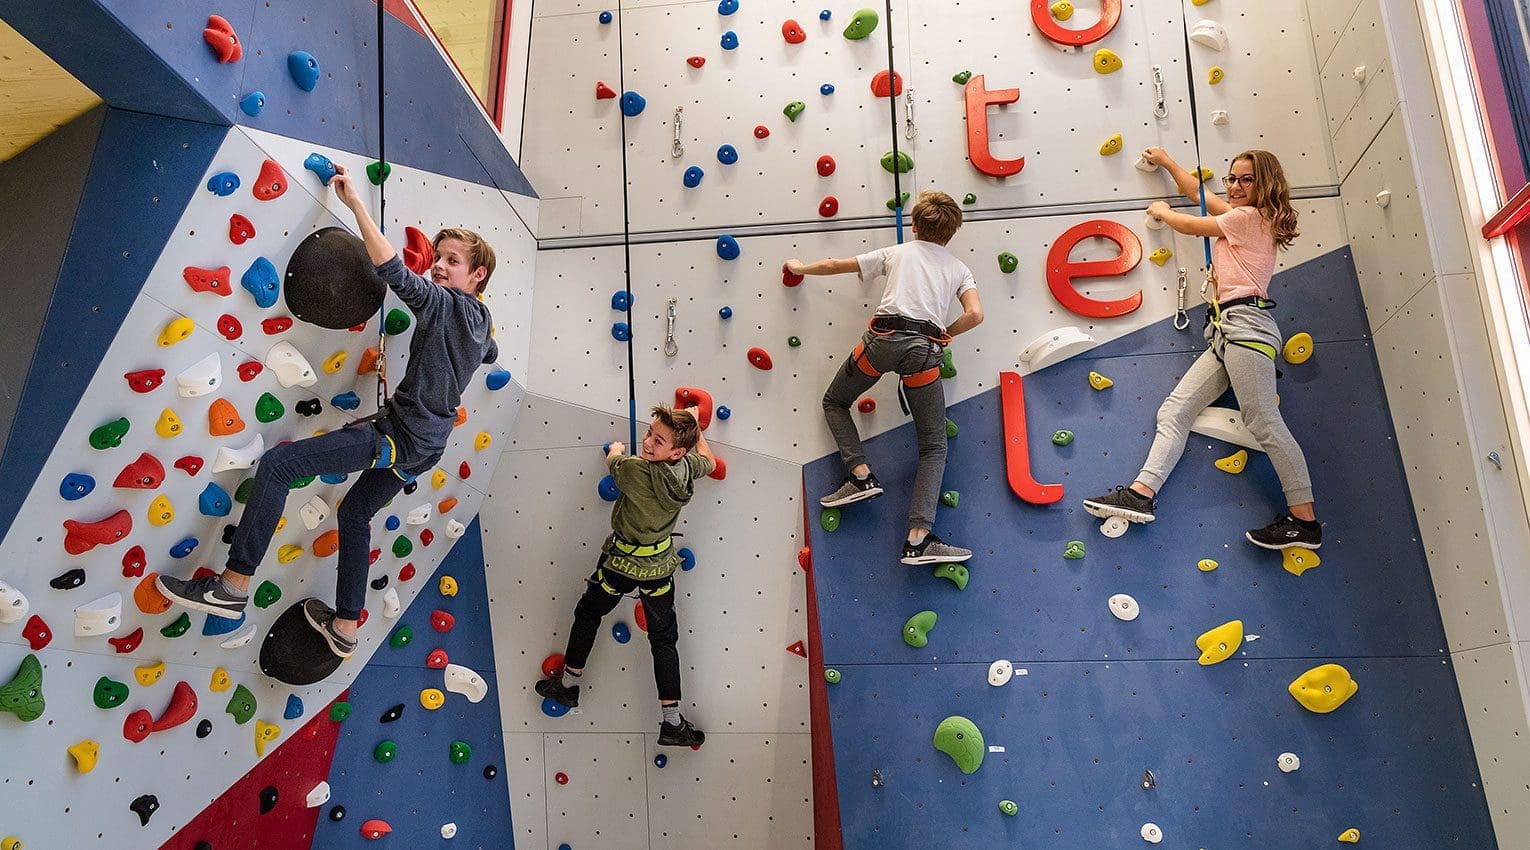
1242, 339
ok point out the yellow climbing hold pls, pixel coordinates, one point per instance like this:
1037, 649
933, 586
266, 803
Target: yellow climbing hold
1351, 835
265, 733
482, 441
148, 674
161, 512
1062, 10
1298, 348
1112, 146
1323, 689
1100, 382
432, 699
1215, 75
1233, 463
437, 479
1297, 560
1206, 565
10, 842
1220, 643
1199, 2
176, 331
448, 586
336, 362
1106, 61
169, 425
85, 754
281, 523
220, 681
1205, 173
1160, 256
288, 553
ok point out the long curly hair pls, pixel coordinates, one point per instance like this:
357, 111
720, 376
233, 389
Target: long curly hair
1271, 195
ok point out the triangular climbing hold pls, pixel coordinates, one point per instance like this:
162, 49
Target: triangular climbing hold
797, 649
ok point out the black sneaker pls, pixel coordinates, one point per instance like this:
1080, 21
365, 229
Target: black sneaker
853, 490
1287, 532
553, 689
682, 734
933, 550
322, 618
1123, 502
202, 594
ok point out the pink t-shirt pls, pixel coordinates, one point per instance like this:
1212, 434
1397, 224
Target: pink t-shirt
1244, 255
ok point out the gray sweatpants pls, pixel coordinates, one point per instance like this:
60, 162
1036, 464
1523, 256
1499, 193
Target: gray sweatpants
1252, 378
901, 353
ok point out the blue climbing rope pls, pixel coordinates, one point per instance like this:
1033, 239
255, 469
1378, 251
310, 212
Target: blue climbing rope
1195, 130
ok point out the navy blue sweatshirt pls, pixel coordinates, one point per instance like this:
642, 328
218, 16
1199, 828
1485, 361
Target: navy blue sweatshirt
451, 340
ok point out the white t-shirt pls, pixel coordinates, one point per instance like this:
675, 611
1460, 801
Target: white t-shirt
923, 278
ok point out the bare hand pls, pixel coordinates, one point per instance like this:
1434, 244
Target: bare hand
344, 188
1158, 157
1159, 209
616, 449
796, 266
694, 411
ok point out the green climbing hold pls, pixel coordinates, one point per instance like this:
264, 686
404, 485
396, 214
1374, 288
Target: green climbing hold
22, 695
461, 752
384, 752
242, 492
947, 367
900, 201
267, 594
241, 705
955, 572
862, 23
268, 408
377, 172
109, 693
1008, 262
177, 628
829, 519
969, 199
396, 322
110, 435
339, 712
831, 675
950, 429
950, 498
1062, 438
794, 109
961, 78
401, 637
959, 738
301, 482
402, 547
1074, 551
916, 632
905, 162
794, 341
1009, 807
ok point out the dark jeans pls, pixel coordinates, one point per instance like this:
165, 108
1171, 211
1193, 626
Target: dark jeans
658, 599
350, 449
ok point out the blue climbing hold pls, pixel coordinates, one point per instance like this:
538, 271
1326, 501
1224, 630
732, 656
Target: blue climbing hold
184, 547
730, 40
621, 331
660, 760
621, 300
825, 15
727, 7
687, 560
497, 379
723, 412
608, 489
605, 17
606, 449
633, 104
726, 312
553, 708
215, 501
334, 477
693, 176
347, 400
727, 154
304, 69
826, 89
223, 183
321, 165
262, 282
215, 626
76, 485
392, 523
727, 247
621, 632
252, 103
294, 708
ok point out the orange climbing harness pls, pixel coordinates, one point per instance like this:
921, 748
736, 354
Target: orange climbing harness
886, 325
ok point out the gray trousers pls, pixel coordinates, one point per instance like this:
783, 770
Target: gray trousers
902, 353
1252, 378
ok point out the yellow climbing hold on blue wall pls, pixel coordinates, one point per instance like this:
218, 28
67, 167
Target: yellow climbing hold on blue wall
1298, 348
1106, 61
1297, 560
1220, 643
1206, 565
1233, 463
1323, 688
1100, 382
1350, 836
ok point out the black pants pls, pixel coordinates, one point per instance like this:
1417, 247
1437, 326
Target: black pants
658, 598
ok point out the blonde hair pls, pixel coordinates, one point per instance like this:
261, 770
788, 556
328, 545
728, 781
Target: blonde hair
681, 423
1271, 195
936, 217
479, 252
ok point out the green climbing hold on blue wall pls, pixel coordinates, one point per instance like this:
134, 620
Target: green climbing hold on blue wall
959, 738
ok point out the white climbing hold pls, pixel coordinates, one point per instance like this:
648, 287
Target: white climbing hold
314, 512
200, 378
1055, 345
1114, 526
448, 831
1384, 198
1359, 73
1226, 424
462, 680
1153, 223
419, 516
243, 457
101, 617
1151, 833
455, 529
1209, 34
1142, 164
392, 607
1219, 117
1124, 607
13, 604
1288, 762
318, 796
291, 367
240, 639
999, 672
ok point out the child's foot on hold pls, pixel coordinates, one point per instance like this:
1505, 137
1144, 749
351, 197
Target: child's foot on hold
681, 734
1287, 532
853, 490
322, 618
933, 550
554, 689
1123, 502
208, 594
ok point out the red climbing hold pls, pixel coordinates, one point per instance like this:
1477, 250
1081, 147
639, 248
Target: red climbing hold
127, 643
761, 131
418, 252
230, 327
696, 61
146, 473
240, 230
208, 280
867, 405
276, 325
561, 778
219, 35
375, 829
792, 32
797, 649
362, 620
427, 537
464, 471
789, 279
182, 707
603, 91
719, 471
639, 616
552, 665
407, 572
81, 537
138, 725
358, 329
203, 571
437, 659
825, 165
37, 633
271, 183
805, 558
145, 380
134, 562
759, 359
442, 621
248, 370
879, 85
372, 556
828, 207
190, 464
699, 399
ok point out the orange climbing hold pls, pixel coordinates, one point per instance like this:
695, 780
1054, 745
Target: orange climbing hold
148, 598
418, 252
880, 88
446, 505
326, 544
219, 35
461, 416
272, 182
375, 829
208, 280
223, 419
368, 362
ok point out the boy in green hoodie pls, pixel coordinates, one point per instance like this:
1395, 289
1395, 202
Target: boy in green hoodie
639, 555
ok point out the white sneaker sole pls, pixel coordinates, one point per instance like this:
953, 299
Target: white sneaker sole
857, 496
922, 560
1107, 511
1308, 546
196, 604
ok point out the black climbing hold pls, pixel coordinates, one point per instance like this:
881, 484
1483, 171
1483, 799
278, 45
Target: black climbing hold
490, 772
295, 653
309, 407
268, 798
330, 281
392, 714
203, 845
145, 806
411, 487
228, 533
380, 582
337, 813
204, 728
68, 581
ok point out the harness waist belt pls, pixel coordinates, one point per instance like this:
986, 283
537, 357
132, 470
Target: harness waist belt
637, 551
904, 323
1248, 300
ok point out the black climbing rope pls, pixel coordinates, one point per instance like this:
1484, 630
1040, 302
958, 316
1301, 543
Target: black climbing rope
892, 110
621, 65
382, 206
1195, 130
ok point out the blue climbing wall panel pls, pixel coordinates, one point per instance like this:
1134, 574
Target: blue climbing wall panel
1102, 700
420, 790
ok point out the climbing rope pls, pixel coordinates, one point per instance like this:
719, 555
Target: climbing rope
892, 110
621, 65
1195, 130
382, 206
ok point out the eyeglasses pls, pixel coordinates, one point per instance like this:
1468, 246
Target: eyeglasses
1234, 179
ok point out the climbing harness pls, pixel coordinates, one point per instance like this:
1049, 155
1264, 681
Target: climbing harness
928, 373
677, 149
670, 348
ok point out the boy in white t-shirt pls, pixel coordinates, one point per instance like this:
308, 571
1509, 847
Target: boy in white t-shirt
907, 336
